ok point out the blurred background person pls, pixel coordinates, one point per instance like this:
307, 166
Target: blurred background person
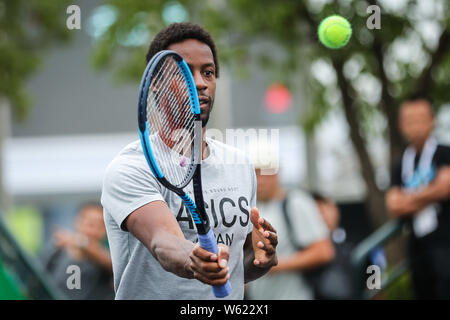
285, 281
86, 247
335, 280
330, 215
420, 193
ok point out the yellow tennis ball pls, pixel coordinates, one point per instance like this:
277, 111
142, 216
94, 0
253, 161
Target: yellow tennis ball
334, 32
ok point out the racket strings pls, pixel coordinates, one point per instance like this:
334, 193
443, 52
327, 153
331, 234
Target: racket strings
186, 126
165, 126
173, 100
171, 123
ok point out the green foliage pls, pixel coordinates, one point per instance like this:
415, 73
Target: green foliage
26, 27
26, 225
293, 25
401, 289
379, 76
111, 49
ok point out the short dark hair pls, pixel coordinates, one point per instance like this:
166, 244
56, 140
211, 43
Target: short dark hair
319, 197
178, 32
416, 96
419, 98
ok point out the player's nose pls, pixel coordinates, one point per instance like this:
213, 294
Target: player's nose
200, 83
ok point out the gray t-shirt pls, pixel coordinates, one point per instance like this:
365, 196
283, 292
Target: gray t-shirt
229, 191
309, 227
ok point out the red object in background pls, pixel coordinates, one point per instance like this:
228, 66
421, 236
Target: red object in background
277, 98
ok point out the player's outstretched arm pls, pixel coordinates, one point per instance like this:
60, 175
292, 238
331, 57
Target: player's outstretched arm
155, 226
259, 248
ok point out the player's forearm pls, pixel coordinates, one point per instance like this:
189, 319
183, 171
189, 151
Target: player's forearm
173, 252
155, 226
312, 257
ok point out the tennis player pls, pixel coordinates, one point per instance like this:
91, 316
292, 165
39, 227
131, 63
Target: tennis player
151, 234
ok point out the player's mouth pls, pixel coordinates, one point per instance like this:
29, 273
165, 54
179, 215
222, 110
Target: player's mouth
204, 103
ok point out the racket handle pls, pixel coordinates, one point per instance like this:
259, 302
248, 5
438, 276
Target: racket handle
208, 242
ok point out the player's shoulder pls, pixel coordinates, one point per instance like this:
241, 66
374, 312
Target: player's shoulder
130, 155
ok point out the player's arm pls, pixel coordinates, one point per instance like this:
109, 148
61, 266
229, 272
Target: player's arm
259, 248
156, 227
401, 203
313, 256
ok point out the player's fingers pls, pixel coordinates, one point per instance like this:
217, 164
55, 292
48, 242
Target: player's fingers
205, 266
254, 218
214, 282
266, 225
223, 255
203, 254
272, 237
212, 275
267, 246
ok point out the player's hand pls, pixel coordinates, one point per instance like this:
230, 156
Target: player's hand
210, 268
264, 240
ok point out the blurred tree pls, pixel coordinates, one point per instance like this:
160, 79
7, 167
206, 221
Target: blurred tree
26, 27
368, 79
121, 26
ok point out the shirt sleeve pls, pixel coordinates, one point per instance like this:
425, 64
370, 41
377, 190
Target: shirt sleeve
307, 221
127, 186
442, 156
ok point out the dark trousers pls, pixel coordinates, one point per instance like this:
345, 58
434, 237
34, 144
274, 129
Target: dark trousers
430, 266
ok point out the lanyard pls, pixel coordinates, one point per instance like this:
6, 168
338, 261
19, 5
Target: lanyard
425, 171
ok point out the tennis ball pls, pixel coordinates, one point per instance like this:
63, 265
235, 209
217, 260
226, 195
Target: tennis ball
334, 32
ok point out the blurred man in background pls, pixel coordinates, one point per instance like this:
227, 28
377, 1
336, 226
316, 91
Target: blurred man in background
335, 280
305, 228
85, 248
420, 193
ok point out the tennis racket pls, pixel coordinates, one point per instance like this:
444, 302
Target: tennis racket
170, 130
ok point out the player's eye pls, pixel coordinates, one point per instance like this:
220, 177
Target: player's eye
209, 73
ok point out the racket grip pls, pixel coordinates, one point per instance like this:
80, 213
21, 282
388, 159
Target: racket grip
208, 242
